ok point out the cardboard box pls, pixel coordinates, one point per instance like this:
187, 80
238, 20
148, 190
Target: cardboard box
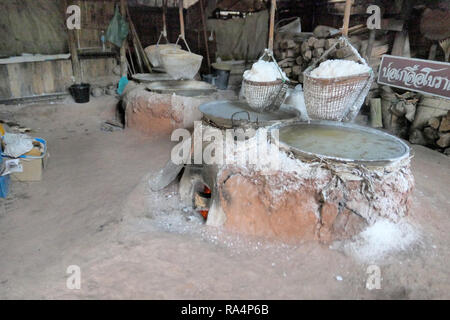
33, 167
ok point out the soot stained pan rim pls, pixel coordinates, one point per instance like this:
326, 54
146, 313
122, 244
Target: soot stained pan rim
214, 112
182, 87
310, 155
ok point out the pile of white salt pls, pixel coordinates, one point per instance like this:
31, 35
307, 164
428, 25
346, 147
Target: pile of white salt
338, 68
264, 71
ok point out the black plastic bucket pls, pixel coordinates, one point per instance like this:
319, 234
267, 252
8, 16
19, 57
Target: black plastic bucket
210, 78
222, 72
222, 79
80, 92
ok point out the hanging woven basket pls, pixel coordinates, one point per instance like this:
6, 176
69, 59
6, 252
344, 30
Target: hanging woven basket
265, 96
337, 98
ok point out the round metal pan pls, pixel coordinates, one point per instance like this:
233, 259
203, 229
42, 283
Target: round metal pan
229, 114
189, 88
340, 141
150, 77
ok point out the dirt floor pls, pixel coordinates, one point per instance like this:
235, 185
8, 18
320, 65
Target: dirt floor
94, 209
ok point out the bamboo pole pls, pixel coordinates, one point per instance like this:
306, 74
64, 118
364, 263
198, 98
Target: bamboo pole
202, 12
348, 6
180, 10
272, 23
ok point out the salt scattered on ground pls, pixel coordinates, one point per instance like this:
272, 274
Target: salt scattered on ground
382, 239
264, 71
338, 68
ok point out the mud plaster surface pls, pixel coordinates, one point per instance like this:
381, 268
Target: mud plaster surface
93, 209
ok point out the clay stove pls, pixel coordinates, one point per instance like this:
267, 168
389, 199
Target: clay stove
316, 192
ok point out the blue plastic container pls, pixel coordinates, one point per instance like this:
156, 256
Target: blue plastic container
4, 181
4, 186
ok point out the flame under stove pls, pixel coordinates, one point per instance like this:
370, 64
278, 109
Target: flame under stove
197, 188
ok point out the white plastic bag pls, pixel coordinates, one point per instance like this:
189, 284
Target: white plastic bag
17, 144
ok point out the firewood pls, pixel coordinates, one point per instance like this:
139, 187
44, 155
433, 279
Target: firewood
287, 62
399, 109
296, 70
317, 52
304, 47
343, 52
290, 53
288, 44
311, 41
324, 31
444, 140
300, 77
329, 43
410, 111
430, 134
434, 122
445, 124
378, 51
299, 60
307, 55
416, 137
375, 113
319, 43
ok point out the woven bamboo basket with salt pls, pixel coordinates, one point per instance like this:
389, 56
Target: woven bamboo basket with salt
337, 98
265, 96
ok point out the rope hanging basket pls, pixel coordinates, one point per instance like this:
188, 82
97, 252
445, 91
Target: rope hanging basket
265, 96
181, 64
337, 98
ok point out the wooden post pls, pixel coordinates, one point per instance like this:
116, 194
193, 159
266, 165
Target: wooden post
369, 48
376, 120
202, 12
348, 7
180, 11
164, 19
76, 66
273, 7
123, 58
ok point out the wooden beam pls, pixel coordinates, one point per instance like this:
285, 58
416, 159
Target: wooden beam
76, 66
123, 58
202, 12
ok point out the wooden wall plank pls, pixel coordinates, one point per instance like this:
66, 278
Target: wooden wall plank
37, 79
5, 91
